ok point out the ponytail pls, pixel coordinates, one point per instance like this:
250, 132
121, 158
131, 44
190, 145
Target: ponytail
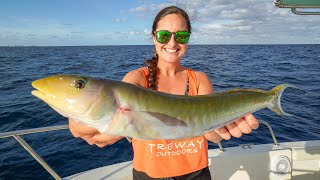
152, 65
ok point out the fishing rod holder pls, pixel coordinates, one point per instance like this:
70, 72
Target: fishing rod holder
310, 5
246, 146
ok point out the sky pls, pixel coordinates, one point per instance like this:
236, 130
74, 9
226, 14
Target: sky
128, 22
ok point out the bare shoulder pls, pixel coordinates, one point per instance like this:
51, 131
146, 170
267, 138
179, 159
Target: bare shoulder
205, 85
201, 75
135, 77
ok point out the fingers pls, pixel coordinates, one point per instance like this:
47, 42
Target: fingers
234, 130
79, 129
89, 140
106, 138
241, 126
91, 135
223, 133
252, 121
102, 140
213, 136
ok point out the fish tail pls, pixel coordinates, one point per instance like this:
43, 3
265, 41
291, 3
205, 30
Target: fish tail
275, 104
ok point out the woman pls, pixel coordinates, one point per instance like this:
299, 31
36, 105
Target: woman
181, 159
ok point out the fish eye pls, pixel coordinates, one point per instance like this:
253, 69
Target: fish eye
80, 84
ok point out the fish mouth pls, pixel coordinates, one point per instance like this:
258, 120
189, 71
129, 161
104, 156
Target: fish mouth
43, 96
39, 94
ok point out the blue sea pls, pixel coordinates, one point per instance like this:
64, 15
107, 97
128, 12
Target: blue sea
228, 66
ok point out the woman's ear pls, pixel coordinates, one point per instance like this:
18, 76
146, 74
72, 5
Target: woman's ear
154, 38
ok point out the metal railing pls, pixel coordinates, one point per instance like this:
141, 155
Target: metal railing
35, 155
32, 152
301, 4
275, 141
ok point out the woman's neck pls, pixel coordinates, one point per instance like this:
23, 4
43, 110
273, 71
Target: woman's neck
169, 69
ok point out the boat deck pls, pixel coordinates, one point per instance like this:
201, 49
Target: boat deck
243, 162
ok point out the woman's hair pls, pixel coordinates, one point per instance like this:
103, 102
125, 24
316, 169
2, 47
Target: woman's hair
152, 63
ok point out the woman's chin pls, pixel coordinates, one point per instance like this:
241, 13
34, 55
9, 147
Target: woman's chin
171, 58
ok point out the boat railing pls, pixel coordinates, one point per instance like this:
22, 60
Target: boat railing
275, 141
304, 5
17, 135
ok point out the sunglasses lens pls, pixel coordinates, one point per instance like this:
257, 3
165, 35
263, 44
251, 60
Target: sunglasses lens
182, 37
163, 36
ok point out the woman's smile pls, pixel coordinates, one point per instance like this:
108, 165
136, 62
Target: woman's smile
171, 51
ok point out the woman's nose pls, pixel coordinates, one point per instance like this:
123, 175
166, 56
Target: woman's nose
172, 41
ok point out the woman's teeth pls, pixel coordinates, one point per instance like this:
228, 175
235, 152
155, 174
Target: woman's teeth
171, 50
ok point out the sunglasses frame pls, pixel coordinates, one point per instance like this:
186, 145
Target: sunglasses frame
157, 35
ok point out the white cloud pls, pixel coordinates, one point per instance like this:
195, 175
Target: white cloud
221, 28
234, 14
250, 19
120, 20
140, 9
37, 31
147, 32
213, 21
149, 8
134, 33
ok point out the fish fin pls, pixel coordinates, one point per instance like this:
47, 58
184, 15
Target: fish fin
167, 120
239, 90
275, 104
146, 126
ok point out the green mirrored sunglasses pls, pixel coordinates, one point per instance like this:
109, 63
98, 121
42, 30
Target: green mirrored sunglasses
164, 36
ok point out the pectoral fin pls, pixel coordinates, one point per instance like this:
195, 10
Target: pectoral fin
166, 119
147, 126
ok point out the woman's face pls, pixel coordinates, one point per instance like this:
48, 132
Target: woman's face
171, 51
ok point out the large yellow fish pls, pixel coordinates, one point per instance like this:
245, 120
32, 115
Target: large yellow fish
122, 109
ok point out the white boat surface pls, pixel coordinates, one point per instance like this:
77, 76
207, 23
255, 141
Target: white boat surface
292, 160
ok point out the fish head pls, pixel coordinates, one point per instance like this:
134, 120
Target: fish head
72, 95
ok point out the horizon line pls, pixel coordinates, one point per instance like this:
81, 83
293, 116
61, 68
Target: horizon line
153, 45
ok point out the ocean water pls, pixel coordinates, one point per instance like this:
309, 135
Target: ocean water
228, 66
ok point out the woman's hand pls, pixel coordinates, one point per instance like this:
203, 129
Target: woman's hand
241, 126
91, 135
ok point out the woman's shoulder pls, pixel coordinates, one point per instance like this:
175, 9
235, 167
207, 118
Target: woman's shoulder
203, 82
199, 74
135, 77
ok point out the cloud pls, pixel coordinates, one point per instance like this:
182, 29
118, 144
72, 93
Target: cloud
147, 32
213, 22
30, 31
134, 33
149, 8
76, 32
222, 28
120, 20
246, 21
141, 9
235, 14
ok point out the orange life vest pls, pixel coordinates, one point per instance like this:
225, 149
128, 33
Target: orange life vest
169, 158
